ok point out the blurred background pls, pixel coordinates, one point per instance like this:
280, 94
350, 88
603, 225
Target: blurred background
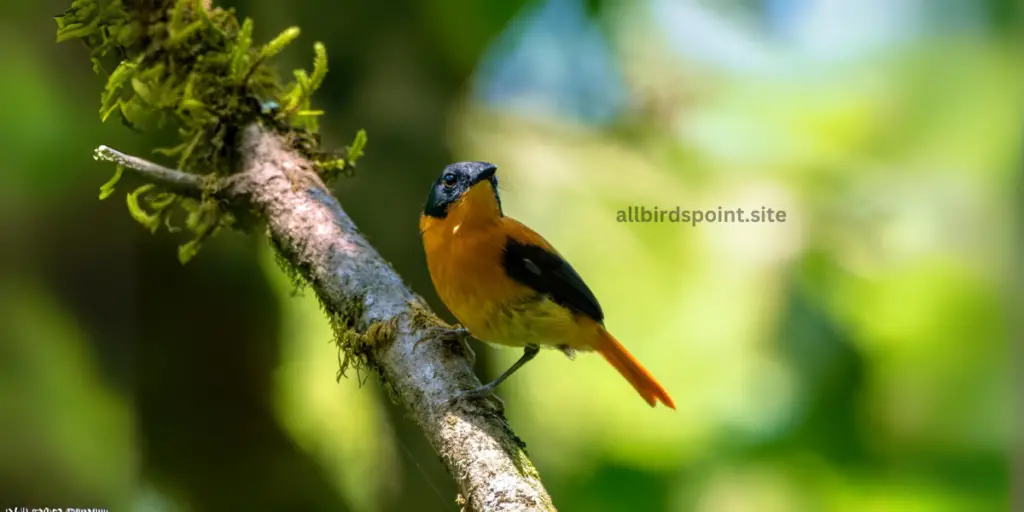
853, 358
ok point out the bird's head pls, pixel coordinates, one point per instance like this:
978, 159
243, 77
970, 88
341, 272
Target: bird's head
465, 190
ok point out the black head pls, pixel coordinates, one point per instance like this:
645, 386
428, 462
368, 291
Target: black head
457, 180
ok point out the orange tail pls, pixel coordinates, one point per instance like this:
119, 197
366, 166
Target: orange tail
631, 369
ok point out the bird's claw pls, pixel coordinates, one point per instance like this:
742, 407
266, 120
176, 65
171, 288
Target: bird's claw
458, 335
485, 391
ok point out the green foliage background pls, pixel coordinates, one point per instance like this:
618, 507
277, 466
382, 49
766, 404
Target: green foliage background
854, 358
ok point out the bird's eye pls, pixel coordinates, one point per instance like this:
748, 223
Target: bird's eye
449, 180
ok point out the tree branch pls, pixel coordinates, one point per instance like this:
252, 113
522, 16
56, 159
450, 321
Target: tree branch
379, 321
360, 289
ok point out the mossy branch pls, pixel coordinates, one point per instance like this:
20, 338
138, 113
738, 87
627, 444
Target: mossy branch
248, 146
180, 63
379, 323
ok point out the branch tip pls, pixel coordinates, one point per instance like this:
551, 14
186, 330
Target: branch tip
172, 179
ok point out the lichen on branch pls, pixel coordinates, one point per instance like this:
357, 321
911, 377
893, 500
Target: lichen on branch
177, 63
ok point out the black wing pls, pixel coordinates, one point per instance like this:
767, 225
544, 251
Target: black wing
549, 274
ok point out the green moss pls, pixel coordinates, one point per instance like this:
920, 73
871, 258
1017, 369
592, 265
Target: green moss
176, 64
330, 165
423, 318
355, 347
108, 188
295, 276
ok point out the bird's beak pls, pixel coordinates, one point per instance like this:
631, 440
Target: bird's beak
482, 171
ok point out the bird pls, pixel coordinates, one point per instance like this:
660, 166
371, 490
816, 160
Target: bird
506, 285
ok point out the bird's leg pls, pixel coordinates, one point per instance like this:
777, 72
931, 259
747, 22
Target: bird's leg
528, 353
458, 335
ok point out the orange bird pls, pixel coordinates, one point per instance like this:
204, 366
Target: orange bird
507, 285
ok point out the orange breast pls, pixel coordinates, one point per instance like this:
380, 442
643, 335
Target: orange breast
465, 266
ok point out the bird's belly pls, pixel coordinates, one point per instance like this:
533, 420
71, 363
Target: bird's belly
515, 318
535, 320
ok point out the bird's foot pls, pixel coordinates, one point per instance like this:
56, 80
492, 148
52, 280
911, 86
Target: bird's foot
458, 335
485, 391
568, 351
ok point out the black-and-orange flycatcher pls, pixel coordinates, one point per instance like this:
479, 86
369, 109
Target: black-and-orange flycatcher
507, 285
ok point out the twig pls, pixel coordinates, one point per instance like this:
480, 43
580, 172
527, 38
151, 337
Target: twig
171, 179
